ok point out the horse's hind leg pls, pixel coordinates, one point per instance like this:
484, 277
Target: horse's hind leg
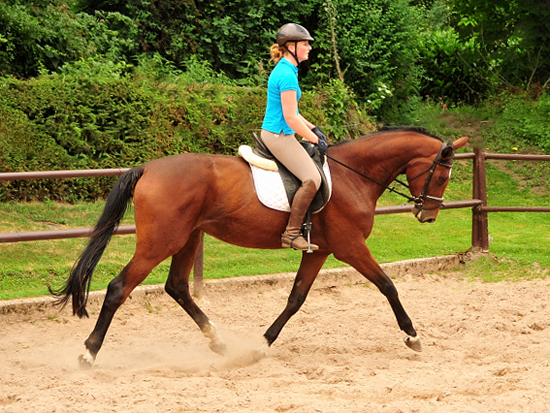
177, 286
118, 291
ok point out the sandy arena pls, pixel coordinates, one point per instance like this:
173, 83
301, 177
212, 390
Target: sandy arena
486, 349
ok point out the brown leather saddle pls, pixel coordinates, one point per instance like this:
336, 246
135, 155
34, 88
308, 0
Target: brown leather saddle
290, 182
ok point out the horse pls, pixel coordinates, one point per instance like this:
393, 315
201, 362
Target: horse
180, 197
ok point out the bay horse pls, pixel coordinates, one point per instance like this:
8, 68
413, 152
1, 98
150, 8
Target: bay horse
180, 197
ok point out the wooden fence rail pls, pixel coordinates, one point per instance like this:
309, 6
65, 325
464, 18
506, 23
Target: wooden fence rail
480, 226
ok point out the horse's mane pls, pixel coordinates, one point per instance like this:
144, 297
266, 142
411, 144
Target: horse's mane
389, 129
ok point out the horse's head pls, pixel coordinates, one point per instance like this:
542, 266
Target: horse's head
428, 178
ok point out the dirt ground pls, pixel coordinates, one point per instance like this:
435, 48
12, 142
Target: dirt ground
486, 349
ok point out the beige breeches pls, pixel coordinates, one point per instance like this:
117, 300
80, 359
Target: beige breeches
292, 155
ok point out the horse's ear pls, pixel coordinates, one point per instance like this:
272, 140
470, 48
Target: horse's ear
447, 151
460, 142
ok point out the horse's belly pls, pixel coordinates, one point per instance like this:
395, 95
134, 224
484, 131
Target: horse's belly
248, 233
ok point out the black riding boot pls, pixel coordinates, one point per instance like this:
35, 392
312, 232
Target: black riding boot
292, 237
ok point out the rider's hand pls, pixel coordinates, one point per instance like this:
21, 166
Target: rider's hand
322, 143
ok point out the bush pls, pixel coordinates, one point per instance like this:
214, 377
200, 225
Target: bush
96, 115
35, 38
450, 68
375, 40
376, 44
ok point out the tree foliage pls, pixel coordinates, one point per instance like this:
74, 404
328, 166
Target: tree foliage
513, 37
376, 45
386, 54
374, 41
233, 35
37, 37
452, 71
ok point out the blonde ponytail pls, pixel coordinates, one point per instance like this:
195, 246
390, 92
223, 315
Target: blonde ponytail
277, 53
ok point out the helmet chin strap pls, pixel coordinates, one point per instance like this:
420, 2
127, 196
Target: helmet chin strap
295, 54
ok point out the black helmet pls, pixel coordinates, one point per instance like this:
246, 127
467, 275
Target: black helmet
292, 32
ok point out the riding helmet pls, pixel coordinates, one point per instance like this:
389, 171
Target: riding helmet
292, 32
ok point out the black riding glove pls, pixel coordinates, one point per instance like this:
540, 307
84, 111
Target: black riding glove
322, 144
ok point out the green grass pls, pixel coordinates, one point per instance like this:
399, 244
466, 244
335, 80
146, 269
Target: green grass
519, 240
492, 269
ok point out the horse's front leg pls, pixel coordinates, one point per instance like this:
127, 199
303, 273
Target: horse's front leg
309, 268
362, 260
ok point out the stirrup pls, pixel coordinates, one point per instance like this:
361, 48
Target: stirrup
287, 241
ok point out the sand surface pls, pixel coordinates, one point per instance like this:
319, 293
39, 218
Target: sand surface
486, 349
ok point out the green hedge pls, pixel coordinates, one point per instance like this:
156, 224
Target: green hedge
60, 122
373, 43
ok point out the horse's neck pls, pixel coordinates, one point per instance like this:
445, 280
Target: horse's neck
384, 155
381, 158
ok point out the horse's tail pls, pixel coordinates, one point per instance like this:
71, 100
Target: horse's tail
80, 278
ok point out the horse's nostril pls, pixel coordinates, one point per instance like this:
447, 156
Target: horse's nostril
430, 220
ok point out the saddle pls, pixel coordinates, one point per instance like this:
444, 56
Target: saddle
266, 160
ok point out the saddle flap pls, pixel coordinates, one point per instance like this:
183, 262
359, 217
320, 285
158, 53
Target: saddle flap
292, 183
260, 149
262, 157
271, 192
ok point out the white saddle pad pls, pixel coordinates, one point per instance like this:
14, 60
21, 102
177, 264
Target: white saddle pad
271, 191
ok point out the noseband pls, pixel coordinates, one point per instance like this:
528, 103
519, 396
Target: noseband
422, 197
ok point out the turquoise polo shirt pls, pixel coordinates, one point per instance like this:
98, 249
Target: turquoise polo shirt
283, 77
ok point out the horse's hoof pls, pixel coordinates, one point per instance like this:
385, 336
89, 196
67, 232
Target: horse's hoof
413, 343
259, 354
219, 348
86, 361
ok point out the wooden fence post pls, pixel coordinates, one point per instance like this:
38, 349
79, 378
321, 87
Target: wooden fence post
480, 226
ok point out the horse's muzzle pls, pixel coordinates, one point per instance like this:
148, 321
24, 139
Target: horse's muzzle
425, 215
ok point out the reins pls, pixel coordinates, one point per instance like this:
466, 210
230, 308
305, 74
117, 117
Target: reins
418, 201
389, 188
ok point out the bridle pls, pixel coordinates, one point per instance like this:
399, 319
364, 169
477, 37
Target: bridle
423, 196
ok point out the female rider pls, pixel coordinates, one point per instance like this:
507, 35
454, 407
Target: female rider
282, 120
